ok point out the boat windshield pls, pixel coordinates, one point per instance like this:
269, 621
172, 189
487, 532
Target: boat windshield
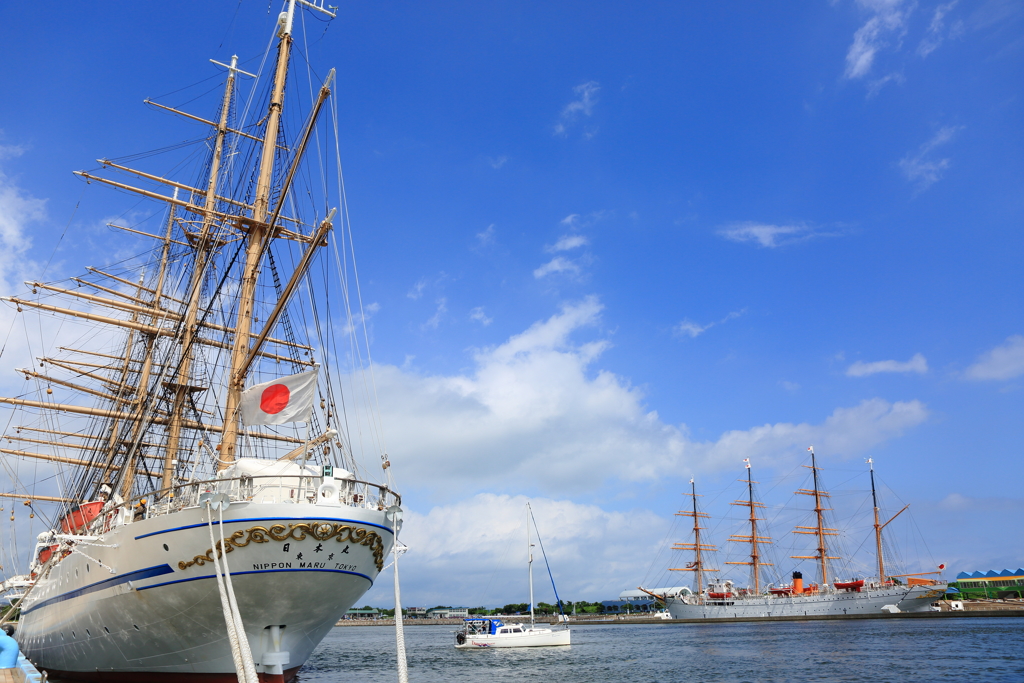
483, 626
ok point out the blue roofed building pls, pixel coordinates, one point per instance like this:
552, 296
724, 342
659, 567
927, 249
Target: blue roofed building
1005, 584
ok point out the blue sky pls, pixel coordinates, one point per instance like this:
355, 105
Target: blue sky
609, 247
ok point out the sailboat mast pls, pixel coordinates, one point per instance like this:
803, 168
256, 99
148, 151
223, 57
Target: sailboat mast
878, 526
529, 560
255, 244
202, 250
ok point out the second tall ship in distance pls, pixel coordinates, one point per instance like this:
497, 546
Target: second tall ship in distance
715, 598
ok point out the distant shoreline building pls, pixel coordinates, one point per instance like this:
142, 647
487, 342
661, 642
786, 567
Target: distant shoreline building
448, 613
362, 613
988, 585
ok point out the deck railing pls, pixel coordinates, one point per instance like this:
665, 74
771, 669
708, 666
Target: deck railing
262, 489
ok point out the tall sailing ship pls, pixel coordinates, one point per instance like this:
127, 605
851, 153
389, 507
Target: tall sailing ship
715, 598
203, 417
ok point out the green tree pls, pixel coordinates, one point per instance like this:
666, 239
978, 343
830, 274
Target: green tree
514, 608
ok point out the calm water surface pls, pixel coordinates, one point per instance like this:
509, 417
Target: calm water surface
953, 649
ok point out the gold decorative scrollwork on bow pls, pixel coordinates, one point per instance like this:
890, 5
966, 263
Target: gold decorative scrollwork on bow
320, 531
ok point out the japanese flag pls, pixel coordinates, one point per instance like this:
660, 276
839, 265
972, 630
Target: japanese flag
288, 399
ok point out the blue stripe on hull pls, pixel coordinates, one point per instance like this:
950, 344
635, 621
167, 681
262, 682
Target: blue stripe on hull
137, 575
260, 571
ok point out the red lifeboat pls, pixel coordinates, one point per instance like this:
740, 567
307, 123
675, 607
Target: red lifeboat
46, 553
849, 585
786, 590
719, 596
80, 515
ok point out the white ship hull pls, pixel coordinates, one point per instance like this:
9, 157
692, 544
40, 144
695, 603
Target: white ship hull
159, 617
841, 603
540, 637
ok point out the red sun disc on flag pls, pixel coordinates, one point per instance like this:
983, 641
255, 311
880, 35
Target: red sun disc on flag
274, 399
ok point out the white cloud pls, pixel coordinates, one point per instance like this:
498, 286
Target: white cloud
1003, 362
887, 22
771, 236
482, 558
478, 315
934, 37
417, 290
558, 264
486, 238
920, 169
586, 94
435, 320
875, 86
534, 412
18, 211
861, 369
498, 162
568, 242
688, 328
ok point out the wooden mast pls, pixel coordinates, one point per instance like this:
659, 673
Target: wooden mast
697, 566
181, 386
879, 527
820, 530
255, 244
755, 554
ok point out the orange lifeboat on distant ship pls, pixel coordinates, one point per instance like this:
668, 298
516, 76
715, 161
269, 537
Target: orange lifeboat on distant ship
719, 596
849, 585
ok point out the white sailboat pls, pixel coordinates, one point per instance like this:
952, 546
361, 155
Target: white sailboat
176, 469
489, 632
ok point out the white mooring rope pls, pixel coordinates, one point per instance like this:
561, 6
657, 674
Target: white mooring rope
240, 652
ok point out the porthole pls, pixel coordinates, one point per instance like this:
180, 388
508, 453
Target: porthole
165, 547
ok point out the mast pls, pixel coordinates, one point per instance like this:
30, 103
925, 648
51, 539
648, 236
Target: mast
255, 243
529, 560
697, 566
181, 387
820, 530
878, 527
755, 555
262, 231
